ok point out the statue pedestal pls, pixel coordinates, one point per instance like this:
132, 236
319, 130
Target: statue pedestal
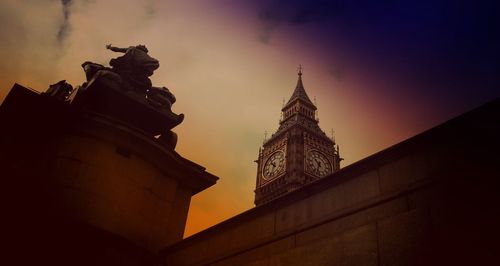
64, 165
115, 100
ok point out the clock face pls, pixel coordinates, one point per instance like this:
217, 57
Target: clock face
274, 166
318, 164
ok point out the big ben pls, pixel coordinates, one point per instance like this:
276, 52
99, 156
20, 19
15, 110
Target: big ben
298, 153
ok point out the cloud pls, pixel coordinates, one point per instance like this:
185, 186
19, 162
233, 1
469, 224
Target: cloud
300, 12
63, 29
437, 46
150, 9
278, 12
45, 41
29, 48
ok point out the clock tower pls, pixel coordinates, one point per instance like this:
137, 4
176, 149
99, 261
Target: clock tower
298, 153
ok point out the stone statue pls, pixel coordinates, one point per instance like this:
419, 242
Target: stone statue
125, 91
160, 97
136, 66
105, 75
60, 90
91, 69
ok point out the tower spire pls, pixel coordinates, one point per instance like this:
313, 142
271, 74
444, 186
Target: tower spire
299, 93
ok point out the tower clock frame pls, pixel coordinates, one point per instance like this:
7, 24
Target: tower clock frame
298, 153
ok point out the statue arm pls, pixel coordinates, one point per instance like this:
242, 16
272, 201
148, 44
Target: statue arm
116, 49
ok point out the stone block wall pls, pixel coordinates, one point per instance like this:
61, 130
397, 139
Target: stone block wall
82, 188
105, 180
430, 200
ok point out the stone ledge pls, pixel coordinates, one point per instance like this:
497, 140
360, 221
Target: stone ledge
418, 150
297, 231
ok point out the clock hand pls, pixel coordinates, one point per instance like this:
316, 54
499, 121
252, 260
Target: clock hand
272, 167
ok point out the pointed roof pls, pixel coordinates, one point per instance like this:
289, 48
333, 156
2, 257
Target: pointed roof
299, 93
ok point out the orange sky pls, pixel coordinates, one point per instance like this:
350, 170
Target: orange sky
229, 84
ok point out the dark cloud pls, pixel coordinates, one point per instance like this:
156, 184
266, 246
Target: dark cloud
274, 13
64, 27
338, 72
149, 10
299, 12
450, 45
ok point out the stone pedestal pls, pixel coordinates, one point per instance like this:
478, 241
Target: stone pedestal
64, 166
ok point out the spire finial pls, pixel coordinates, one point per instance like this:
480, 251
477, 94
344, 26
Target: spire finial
299, 70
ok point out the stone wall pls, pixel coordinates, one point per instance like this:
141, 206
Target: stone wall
106, 179
430, 200
93, 188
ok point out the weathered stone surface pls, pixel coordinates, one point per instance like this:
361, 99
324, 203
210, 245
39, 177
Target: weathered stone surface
225, 243
402, 172
403, 239
253, 232
115, 199
70, 170
259, 255
292, 216
423, 198
354, 247
213, 246
327, 202
344, 195
359, 218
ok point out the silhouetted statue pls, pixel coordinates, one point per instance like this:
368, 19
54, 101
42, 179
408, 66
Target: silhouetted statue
105, 75
60, 90
125, 91
160, 97
91, 69
135, 65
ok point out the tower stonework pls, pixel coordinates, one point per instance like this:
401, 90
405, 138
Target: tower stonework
298, 153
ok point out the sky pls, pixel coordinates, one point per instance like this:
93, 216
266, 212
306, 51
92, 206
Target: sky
380, 71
